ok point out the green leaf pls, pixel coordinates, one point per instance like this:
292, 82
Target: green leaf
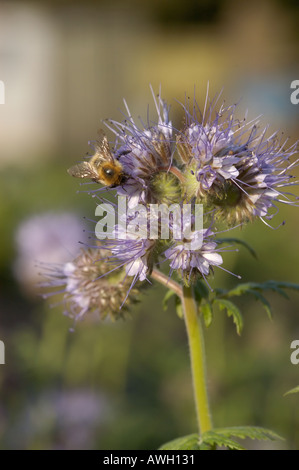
241, 289
206, 311
232, 310
214, 439
243, 432
284, 284
170, 293
240, 242
190, 442
179, 307
178, 304
264, 301
276, 286
255, 289
221, 437
293, 390
200, 291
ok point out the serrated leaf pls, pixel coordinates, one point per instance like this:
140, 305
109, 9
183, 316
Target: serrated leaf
293, 390
282, 285
239, 242
170, 293
264, 301
212, 438
206, 311
221, 437
241, 289
274, 286
255, 289
232, 310
243, 432
190, 442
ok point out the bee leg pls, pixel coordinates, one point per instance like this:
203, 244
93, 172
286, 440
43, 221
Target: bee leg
124, 152
122, 186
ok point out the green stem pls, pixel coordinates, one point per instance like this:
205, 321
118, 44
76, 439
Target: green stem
197, 356
160, 277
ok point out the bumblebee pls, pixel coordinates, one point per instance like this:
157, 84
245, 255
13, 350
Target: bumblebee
102, 167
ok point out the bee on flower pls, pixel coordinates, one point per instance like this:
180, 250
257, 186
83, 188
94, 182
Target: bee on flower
230, 167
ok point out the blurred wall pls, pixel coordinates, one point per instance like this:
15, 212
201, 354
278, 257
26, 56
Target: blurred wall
67, 65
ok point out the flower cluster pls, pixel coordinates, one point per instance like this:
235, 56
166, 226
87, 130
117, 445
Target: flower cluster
230, 167
90, 284
233, 168
146, 155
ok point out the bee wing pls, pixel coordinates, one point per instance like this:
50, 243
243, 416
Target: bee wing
82, 170
103, 151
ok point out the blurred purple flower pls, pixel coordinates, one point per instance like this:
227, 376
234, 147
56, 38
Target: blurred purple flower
46, 238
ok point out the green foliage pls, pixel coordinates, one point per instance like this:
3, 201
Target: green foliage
170, 293
178, 304
221, 437
275, 286
207, 313
243, 432
263, 300
221, 297
200, 291
190, 442
212, 439
232, 311
293, 390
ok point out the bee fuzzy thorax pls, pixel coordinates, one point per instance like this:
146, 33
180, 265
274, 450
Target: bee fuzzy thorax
111, 174
102, 167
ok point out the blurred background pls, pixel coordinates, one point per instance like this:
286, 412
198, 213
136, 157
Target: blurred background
66, 66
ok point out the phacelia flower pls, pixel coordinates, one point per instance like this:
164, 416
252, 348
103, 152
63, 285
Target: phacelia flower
133, 250
192, 252
90, 284
231, 167
194, 257
145, 154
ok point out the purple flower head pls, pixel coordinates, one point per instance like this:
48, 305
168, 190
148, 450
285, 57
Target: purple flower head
143, 152
133, 250
88, 284
47, 238
232, 166
195, 256
234, 169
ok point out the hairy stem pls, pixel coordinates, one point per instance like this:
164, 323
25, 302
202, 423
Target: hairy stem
175, 171
197, 357
160, 277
